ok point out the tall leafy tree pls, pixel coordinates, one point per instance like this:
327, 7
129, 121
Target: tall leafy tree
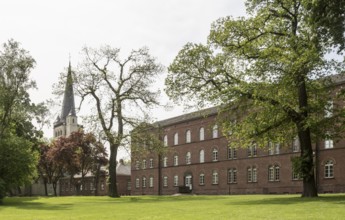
18, 136
268, 71
116, 87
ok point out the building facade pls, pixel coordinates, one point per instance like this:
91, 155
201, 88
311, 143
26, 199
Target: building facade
88, 188
200, 160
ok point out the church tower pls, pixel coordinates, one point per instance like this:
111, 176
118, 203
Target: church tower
66, 122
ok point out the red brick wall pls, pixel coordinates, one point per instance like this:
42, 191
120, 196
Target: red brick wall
262, 162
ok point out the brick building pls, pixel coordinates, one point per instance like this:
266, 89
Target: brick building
88, 188
199, 160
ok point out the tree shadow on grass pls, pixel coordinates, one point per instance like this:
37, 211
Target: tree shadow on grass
288, 200
155, 199
31, 203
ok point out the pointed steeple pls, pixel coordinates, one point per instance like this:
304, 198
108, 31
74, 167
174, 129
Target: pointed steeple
68, 106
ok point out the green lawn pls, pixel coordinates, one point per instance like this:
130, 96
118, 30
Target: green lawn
175, 207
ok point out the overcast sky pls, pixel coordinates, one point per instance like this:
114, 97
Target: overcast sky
53, 30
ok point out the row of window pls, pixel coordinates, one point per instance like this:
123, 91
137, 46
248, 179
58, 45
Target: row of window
252, 176
86, 186
274, 149
176, 160
188, 135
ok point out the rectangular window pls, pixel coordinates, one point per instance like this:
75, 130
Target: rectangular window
329, 169
176, 139
175, 160
215, 155
271, 173
151, 163
151, 182
255, 152
249, 152
165, 140
188, 136
188, 158
175, 180
202, 134
328, 144
165, 162
215, 131
144, 182
202, 179
295, 176
215, 177
295, 145
249, 175
232, 175
277, 173
144, 164
165, 181
252, 151
254, 175
277, 148
232, 153
202, 156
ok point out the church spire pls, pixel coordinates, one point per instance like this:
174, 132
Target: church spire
68, 106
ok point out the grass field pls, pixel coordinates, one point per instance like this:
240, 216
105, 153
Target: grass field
175, 207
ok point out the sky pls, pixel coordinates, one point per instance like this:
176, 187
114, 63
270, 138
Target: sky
56, 31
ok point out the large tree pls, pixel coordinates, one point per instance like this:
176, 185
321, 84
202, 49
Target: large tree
19, 138
119, 90
268, 71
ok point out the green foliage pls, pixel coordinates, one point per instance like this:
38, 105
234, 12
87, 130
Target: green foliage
18, 136
2, 190
146, 139
269, 73
18, 162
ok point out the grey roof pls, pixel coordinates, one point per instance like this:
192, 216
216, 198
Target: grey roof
122, 169
188, 117
68, 106
338, 79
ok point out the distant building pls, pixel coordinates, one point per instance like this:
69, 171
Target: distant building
88, 188
200, 160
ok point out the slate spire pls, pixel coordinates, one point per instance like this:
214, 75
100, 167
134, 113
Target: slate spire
68, 106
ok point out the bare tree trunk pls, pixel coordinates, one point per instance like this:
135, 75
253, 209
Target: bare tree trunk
45, 187
54, 187
97, 178
112, 172
309, 186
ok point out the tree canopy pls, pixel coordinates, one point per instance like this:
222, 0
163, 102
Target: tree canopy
80, 153
19, 138
120, 92
269, 73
